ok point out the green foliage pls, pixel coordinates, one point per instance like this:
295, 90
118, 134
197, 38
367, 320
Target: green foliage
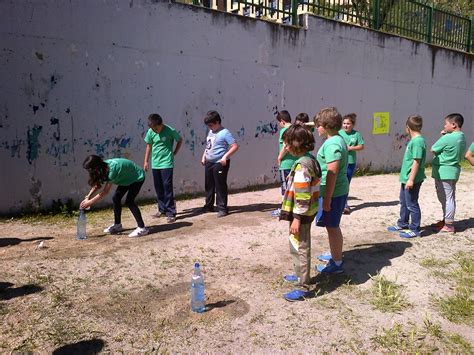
58, 207
386, 295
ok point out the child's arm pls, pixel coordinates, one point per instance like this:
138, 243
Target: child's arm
470, 157
178, 146
87, 203
232, 149
147, 157
355, 147
281, 155
333, 169
415, 166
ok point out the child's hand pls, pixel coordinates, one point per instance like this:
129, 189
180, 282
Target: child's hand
327, 204
203, 161
223, 162
409, 185
85, 204
295, 226
145, 166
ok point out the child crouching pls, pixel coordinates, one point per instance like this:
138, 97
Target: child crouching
299, 206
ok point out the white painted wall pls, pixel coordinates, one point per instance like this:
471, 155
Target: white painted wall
81, 76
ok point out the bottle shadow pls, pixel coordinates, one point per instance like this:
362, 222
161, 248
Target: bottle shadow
7, 292
219, 304
14, 241
92, 346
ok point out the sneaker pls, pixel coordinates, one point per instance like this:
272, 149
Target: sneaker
114, 229
170, 219
410, 234
447, 228
438, 225
158, 214
222, 214
324, 256
296, 295
138, 232
346, 210
290, 278
276, 213
330, 268
396, 229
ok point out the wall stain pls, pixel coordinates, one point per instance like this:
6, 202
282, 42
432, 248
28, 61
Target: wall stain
32, 152
400, 140
113, 147
266, 129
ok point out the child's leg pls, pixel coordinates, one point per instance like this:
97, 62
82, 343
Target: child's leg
300, 250
117, 203
441, 195
168, 195
336, 241
158, 183
283, 176
350, 172
209, 185
449, 187
404, 213
220, 178
133, 191
413, 207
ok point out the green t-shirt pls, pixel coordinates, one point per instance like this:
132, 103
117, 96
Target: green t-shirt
334, 149
288, 160
416, 149
449, 151
162, 146
352, 139
124, 172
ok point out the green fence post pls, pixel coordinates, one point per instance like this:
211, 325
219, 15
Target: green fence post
469, 34
430, 25
294, 12
196, 2
376, 15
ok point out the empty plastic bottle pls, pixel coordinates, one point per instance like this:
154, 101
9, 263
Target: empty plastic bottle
198, 298
81, 225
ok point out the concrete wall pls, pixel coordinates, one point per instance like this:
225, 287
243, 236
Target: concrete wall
81, 76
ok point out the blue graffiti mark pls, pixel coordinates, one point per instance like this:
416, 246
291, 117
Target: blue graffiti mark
241, 132
32, 152
55, 122
113, 146
266, 129
15, 147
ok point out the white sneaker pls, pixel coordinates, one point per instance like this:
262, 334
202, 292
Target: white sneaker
114, 229
138, 232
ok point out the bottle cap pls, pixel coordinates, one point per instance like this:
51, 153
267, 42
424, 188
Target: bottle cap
196, 265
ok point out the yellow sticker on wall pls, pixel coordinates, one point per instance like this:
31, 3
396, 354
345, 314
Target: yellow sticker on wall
381, 124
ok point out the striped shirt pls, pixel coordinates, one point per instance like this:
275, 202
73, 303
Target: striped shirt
301, 197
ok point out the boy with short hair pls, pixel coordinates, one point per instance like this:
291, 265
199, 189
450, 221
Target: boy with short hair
285, 160
412, 174
220, 145
332, 158
299, 206
159, 141
448, 150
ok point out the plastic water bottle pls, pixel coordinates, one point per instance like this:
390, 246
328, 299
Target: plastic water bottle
198, 298
81, 225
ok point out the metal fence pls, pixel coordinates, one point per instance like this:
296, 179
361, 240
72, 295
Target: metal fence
406, 18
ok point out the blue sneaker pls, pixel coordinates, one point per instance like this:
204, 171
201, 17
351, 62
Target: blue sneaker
296, 295
330, 268
410, 234
290, 278
396, 229
324, 257
276, 213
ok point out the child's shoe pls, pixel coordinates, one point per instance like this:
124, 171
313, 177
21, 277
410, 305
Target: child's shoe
447, 228
296, 295
410, 234
276, 213
330, 268
170, 219
138, 232
324, 256
396, 229
438, 225
158, 214
114, 229
347, 210
290, 278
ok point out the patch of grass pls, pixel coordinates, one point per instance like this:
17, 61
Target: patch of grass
399, 338
386, 295
434, 263
458, 344
457, 308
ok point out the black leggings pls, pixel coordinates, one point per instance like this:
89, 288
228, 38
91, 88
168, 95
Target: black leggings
133, 191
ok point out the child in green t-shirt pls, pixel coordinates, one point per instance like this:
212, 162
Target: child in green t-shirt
159, 141
332, 158
129, 179
285, 160
412, 175
470, 154
448, 152
354, 142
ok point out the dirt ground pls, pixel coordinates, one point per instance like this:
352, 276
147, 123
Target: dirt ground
117, 294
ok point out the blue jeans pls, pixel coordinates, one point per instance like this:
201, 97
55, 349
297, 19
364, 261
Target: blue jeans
409, 208
163, 181
350, 172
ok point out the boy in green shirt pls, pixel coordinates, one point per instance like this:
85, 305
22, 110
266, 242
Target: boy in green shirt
449, 151
412, 175
159, 141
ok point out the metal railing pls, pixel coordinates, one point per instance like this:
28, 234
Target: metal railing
406, 18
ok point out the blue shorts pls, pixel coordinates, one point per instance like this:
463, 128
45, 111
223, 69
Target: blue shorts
332, 218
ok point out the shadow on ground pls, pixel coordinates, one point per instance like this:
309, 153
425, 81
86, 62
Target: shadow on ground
86, 347
7, 292
374, 204
256, 207
14, 241
361, 262
459, 226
